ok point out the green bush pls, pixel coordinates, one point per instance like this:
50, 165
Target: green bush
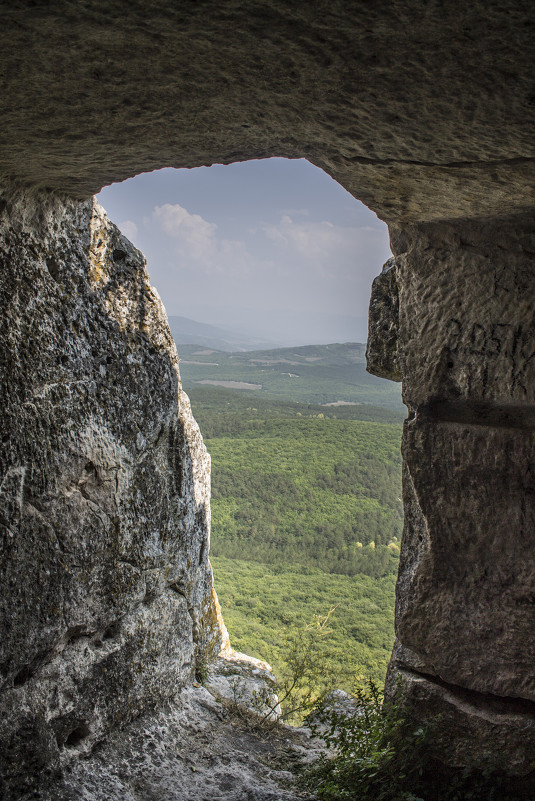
379, 754
375, 753
307, 674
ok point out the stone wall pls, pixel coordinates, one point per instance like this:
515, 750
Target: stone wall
107, 596
465, 617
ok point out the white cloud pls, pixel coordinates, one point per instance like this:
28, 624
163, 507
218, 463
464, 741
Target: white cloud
327, 249
198, 245
195, 233
129, 229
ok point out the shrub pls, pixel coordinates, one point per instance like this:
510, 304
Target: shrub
307, 675
378, 754
375, 753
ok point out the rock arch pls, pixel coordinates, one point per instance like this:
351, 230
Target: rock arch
423, 111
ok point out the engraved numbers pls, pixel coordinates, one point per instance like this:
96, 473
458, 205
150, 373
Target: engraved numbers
512, 346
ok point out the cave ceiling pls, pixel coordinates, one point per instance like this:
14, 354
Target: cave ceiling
422, 110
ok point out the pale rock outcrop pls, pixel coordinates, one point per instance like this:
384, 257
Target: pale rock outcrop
244, 681
203, 744
107, 599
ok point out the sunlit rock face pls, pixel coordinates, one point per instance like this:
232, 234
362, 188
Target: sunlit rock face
107, 596
465, 617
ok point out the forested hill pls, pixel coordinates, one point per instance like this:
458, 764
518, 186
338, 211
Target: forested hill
319, 492
316, 374
306, 498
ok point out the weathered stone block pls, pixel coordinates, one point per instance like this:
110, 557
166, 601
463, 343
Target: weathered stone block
465, 615
466, 320
466, 593
469, 730
104, 491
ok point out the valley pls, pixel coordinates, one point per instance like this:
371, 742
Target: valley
306, 498
316, 374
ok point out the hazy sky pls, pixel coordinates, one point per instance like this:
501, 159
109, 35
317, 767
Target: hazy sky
275, 248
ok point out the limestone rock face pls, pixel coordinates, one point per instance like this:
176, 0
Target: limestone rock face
243, 681
107, 595
383, 325
466, 314
465, 617
196, 747
469, 729
424, 111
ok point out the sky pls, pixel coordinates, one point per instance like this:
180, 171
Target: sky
274, 249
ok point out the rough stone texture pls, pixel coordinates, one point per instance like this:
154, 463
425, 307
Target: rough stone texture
196, 748
466, 313
422, 110
470, 729
244, 681
104, 492
383, 325
465, 617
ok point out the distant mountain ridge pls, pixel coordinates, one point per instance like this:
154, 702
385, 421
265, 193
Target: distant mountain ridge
191, 332
315, 374
336, 353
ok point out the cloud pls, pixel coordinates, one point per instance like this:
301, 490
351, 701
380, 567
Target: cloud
198, 244
196, 235
129, 229
327, 249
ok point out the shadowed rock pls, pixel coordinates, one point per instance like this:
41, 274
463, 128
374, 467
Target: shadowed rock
383, 325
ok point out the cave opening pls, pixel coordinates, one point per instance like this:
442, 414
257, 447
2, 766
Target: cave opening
428, 112
265, 271
273, 248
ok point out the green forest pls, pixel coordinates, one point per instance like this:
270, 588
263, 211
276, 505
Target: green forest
306, 517
260, 603
313, 492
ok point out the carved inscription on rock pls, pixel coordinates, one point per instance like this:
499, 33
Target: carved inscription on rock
487, 341
467, 322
